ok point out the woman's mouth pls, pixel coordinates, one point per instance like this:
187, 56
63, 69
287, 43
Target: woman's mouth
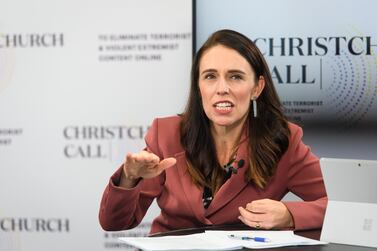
223, 106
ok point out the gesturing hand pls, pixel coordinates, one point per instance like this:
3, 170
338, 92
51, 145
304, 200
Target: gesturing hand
266, 214
143, 165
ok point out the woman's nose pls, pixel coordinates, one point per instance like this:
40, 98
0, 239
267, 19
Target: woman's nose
222, 87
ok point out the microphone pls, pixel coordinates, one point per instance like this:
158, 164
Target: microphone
240, 163
230, 169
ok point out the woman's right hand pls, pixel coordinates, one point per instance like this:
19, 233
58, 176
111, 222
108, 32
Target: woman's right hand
144, 165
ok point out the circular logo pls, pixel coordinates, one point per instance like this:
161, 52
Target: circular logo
351, 94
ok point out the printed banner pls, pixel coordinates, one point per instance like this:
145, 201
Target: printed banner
322, 58
322, 55
80, 83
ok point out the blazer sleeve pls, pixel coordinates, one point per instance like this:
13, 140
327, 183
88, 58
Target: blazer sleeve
121, 208
305, 180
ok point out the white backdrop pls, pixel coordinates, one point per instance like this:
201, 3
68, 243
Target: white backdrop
80, 82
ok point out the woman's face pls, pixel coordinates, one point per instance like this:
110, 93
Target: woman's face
227, 84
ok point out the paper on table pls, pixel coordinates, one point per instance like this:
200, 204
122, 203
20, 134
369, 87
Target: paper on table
181, 242
277, 238
218, 240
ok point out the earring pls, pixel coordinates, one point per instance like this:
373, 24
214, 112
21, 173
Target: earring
255, 113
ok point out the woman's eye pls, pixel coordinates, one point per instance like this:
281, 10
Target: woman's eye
209, 76
236, 77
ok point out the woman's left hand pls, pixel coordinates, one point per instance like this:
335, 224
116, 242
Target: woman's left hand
266, 214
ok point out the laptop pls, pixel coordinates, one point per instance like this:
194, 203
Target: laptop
351, 214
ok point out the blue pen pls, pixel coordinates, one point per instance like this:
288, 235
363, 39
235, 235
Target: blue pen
248, 238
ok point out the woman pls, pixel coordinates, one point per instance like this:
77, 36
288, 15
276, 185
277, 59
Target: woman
229, 158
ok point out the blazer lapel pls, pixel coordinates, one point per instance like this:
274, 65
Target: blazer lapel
192, 193
233, 186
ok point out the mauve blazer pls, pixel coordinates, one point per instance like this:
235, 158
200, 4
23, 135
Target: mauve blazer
180, 200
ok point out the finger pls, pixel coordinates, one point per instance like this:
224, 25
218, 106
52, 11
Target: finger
130, 158
147, 158
249, 223
244, 221
254, 224
150, 157
166, 163
258, 206
152, 171
129, 163
250, 216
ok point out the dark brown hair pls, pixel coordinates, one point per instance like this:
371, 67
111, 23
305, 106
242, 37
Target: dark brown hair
268, 132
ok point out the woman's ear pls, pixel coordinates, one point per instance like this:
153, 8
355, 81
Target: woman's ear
259, 87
